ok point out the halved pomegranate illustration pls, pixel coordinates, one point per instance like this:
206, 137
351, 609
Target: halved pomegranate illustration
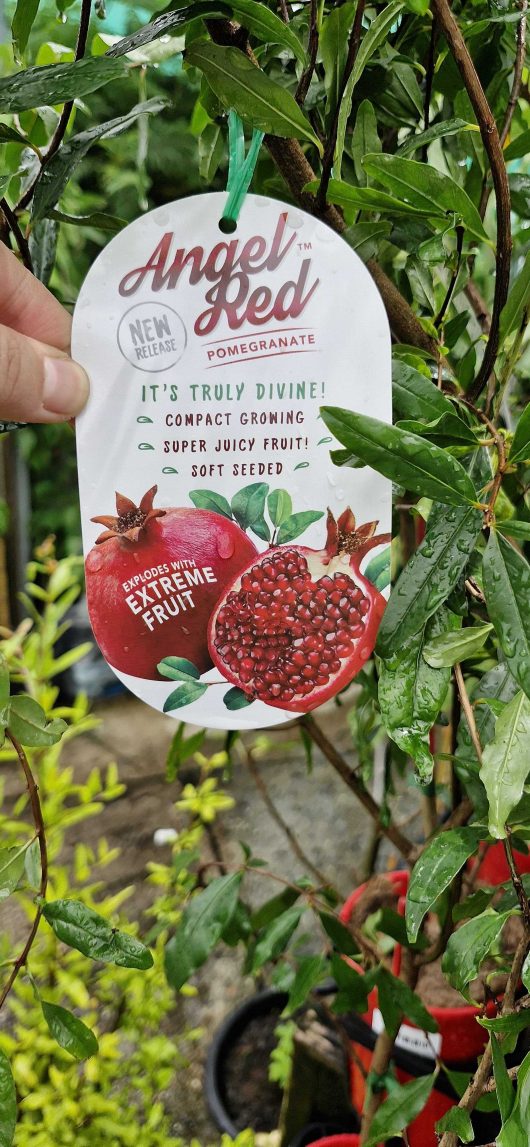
298, 624
153, 578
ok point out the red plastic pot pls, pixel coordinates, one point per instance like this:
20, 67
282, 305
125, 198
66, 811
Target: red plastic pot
494, 869
459, 1041
337, 1141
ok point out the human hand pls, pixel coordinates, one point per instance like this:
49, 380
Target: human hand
39, 382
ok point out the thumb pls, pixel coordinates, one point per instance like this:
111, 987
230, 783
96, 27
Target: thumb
38, 383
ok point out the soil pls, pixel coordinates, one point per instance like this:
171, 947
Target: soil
251, 1099
434, 990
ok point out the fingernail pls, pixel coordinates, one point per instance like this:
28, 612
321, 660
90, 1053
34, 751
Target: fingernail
65, 388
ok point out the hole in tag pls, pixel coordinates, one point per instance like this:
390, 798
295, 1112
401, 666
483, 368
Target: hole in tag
227, 226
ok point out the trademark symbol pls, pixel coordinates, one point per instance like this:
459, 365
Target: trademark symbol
305, 246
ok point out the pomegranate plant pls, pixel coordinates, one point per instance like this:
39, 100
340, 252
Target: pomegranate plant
298, 624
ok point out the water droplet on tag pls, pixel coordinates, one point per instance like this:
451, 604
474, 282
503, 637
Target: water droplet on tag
225, 545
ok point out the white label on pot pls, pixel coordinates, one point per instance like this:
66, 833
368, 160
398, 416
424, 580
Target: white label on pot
411, 1039
233, 571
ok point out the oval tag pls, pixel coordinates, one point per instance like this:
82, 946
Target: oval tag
233, 572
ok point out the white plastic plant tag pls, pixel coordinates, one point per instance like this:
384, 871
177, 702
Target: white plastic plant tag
233, 572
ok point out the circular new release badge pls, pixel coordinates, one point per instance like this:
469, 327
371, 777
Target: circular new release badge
233, 568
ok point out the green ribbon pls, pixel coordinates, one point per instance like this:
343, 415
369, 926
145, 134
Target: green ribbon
240, 169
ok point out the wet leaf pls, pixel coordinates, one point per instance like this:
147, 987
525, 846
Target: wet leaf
506, 576
204, 921
260, 102
8, 1103
505, 763
437, 131
434, 871
364, 139
70, 1032
405, 458
43, 248
424, 187
449, 648
429, 576
469, 946
86, 931
333, 46
57, 83
367, 199
513, 313
376, 35
101, 222
514, 529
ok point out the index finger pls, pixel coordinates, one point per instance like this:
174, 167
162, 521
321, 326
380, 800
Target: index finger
28, 307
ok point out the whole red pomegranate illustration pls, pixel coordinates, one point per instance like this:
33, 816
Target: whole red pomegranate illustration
153, 578
298, 624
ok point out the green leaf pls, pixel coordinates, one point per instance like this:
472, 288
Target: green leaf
235, 698
429, 576
364, 237
209, 500
449, 429
86, 931
505, 763
400, 1108
339, 934
8, 1103
415, 396
5, 685
310, 971
419, 7
497, 685
204, 921
376, 35
248, 505
520, 448
512, 1024
178, 669
280, 506
514, 529
469, 946
186, 693
424, 187
276, 937
57, 83
211, 148
459, 1122
98, 219
28, 723
364, 139
267, 26
271, 909
434, 871
503, 1083
397, 1000
32, 864
295, 525
515, 311
43, 248
260, 102
353, 987
449, 648
517, 147
70, 1032
23, 20
57, 173
367, 199
506, 576
333, 46
472, 906
440, 130
405, 458
12, 863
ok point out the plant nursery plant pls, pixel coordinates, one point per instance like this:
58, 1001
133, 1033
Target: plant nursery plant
404, 126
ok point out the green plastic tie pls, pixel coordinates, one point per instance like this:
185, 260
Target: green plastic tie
240, 169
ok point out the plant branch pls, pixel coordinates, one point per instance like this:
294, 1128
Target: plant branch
493, 148
36, 811
20, 239
282, 824
452, 282
336, 760
331, 143
307, 74
520, 54
382, 1054
516, 880
64, 119
468, 711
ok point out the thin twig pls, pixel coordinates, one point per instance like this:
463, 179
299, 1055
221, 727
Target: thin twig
40, 831
401, 842
452, 282
64, 119
307, 74
429, 77
493, 148
282, 824
516, 879
501, 460
384, 1046
20, 239
517, 71
329, 150
468, 711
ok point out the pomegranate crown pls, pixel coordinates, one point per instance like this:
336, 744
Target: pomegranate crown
130, 519
344, 537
